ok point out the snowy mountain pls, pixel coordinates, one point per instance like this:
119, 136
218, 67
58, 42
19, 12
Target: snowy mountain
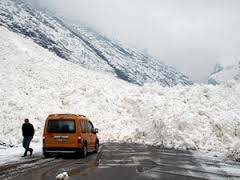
224, 74
35, 83
82, 45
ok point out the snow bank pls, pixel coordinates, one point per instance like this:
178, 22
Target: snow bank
35, 83
234, 153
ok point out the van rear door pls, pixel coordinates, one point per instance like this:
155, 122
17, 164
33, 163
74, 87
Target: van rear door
61, 133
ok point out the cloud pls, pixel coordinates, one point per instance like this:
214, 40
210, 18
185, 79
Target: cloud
188, 34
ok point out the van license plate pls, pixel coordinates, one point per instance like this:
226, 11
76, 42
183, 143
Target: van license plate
61, 138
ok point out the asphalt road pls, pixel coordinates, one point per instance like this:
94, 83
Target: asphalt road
125, 161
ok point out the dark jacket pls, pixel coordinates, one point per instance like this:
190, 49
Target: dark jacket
27, 129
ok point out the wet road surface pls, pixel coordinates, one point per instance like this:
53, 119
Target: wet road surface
126, 161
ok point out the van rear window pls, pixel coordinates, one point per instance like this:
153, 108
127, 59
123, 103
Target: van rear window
61, 126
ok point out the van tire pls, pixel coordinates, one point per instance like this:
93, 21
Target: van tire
84, 151
96, 147
46, 155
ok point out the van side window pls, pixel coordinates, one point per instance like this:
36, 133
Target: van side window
86, 126
83, 126
90, 127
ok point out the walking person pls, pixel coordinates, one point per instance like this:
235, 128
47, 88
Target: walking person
28, 133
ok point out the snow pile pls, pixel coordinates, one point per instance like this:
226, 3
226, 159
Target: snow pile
234, 153
62, 176
35, 83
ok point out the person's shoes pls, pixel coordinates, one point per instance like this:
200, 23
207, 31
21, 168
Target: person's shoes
25, 154
31, 151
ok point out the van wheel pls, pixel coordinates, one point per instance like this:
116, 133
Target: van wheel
46, 155
96, 147
84, 151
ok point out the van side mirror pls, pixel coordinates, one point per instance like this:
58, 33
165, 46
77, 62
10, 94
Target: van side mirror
95, 130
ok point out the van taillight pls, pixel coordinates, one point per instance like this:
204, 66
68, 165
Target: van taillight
43, 139
79, 140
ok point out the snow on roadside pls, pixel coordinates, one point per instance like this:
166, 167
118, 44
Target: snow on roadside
234, 152
14, 154
35, 83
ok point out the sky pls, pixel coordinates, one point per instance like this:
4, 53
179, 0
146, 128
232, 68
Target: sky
191, 35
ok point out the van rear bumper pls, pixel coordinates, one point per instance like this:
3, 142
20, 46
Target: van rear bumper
62, 150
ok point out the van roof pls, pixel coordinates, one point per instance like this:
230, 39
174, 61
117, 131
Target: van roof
56, 115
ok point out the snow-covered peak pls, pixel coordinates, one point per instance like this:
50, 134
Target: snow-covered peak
90, 49
217, 68
224, 74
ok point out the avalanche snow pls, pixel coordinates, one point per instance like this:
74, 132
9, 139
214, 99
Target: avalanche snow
35, 82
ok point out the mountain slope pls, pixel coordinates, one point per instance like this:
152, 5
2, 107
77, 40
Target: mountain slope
224, 74
84, 46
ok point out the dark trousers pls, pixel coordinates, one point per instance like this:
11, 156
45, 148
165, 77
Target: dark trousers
26, 144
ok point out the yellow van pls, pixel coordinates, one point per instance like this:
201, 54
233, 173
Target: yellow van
69, 133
